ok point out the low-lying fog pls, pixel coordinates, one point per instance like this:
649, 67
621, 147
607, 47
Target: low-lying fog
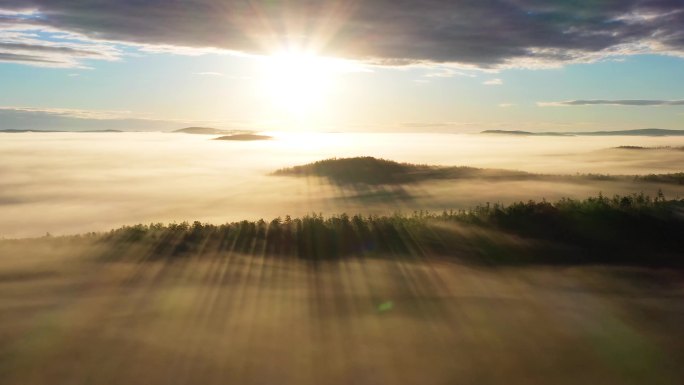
77, 182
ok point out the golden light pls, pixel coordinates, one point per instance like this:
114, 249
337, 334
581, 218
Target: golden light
299, 83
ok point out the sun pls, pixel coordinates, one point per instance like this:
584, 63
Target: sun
297, 82
300, 83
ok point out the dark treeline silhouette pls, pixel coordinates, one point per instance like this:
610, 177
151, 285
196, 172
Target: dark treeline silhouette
674, 178
632, 229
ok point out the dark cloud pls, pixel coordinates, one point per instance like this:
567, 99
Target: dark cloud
483, 33
50, 49
26, 39
11, 57
634, 102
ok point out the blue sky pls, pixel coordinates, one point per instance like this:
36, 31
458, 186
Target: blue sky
62, 67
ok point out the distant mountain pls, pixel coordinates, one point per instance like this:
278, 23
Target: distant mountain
638, 132
525, 133
245, 137
203, 131
641, 132
20, 131
641, 148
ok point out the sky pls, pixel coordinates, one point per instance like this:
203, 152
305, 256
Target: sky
342, 65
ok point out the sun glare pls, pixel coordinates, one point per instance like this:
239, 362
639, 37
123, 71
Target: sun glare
299, 83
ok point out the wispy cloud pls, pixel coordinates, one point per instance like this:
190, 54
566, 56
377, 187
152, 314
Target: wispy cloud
476, 126
18, 12
73, 113
493, 82
448, 73
25, 39
626, 102
209, 73
221, 75
181, 50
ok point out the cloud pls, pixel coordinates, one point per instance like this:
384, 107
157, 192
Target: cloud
26, 59
19, 12
447, 73
72, 113
484, 34
477, 126
506, 105
68, 119
493, 82
209, 73
25, 40
595, 102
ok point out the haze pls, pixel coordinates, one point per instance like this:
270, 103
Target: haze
65, 183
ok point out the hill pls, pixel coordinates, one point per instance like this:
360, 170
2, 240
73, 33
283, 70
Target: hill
244, 137
203, 131
641, 132
572, 292
524, 133
641, 148
637, 132
622, 230
370, 171
374, 171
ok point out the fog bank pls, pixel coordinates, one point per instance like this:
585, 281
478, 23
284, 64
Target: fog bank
77, 182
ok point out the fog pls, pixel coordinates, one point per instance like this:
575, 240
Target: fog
221, 320
414, 299
66, 183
